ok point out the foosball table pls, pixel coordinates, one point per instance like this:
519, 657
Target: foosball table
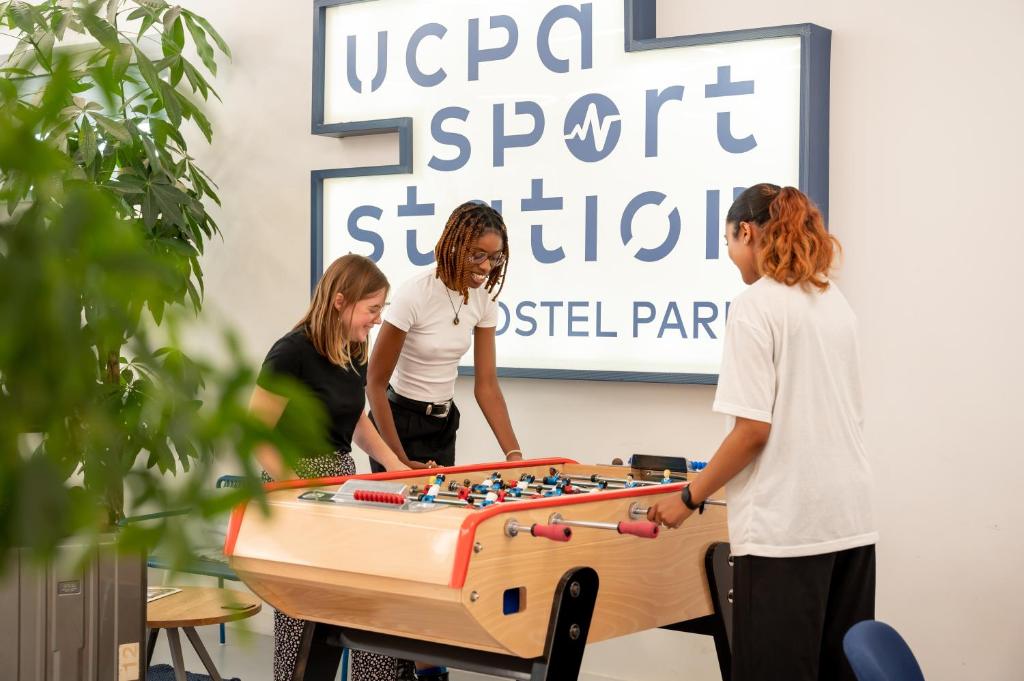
506, 568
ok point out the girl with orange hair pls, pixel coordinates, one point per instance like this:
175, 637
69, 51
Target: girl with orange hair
799, 485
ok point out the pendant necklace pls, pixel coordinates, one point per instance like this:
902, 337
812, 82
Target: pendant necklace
447, 293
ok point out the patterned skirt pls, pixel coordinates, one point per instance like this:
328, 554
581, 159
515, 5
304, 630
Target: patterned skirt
288, 630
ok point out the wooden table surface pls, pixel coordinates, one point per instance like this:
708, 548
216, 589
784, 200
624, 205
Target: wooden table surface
196, 606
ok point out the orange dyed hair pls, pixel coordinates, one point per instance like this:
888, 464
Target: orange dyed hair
793, 245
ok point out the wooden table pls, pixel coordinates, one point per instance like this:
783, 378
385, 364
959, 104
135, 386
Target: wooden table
192, 607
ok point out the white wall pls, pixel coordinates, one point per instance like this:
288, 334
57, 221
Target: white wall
926, 198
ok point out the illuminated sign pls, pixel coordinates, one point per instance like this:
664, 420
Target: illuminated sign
612, 155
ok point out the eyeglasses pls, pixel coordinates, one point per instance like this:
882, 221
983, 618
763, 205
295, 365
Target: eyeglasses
478, 257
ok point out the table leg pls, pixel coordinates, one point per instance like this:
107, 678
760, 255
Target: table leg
179, 663
151, 646
197, 643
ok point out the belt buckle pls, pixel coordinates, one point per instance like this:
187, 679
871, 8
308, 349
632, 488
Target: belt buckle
433, 410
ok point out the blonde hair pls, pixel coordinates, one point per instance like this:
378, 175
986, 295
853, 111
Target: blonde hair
355, 278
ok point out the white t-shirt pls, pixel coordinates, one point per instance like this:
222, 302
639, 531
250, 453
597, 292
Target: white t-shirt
424, 308
791, 359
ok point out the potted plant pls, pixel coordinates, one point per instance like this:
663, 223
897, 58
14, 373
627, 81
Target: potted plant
104, 221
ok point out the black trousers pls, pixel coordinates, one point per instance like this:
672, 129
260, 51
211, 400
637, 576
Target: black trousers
790, 614
424, 438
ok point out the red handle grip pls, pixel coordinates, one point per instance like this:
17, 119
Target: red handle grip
552, 532
639, 528
378, 497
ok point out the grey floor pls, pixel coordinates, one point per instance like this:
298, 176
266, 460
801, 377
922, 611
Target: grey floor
246, 655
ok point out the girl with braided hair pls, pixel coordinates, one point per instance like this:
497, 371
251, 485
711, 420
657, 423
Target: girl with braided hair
430, 324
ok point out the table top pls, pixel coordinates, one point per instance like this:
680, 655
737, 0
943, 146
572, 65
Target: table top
195, 606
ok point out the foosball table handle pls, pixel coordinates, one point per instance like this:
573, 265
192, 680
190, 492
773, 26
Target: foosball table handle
552, 532
639, 528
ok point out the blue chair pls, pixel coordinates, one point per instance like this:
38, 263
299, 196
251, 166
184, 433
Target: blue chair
878, 653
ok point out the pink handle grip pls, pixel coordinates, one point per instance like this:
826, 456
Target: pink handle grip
552, 532
639, 528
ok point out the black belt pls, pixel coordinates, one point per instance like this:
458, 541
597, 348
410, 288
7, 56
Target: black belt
436, 409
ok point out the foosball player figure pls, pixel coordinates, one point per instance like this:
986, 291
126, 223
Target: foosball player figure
434, 489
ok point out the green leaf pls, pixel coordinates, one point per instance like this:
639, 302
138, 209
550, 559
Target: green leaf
171, 103
131, 183
121, 59
61, 20
87, 142
162, 130
203, 46
23, 17
156, 308
113, 128
172, 41
211, 31
169, 199
197, 299
170, 17
192, 111
112, 7
43, 41
86, 104
147, 70
146, 24
100, 29
177, 71
152, 154
195, 79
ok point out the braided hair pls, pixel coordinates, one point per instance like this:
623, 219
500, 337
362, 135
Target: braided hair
465, 225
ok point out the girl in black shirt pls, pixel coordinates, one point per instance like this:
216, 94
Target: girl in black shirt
326, 352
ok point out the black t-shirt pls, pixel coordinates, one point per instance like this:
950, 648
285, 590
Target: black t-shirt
341, 390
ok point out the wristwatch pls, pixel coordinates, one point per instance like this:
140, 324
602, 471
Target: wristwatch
687, 500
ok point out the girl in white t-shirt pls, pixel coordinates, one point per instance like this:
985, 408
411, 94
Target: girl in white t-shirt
430, 324
799, 485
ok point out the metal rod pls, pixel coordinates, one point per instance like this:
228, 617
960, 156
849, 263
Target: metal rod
637, 511
557, 519
671, 474
204, 656
599, 478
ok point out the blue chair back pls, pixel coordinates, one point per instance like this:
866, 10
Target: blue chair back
877, 652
